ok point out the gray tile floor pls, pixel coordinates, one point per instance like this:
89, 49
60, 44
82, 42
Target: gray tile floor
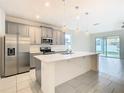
92, 82
111, 66
109, 80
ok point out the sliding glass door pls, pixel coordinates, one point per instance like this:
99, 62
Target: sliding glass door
108, 46
100, 46
113, 47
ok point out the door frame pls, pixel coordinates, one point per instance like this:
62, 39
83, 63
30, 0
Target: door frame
105, 38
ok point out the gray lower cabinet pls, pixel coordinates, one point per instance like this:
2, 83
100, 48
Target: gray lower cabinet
32, 60
38, 71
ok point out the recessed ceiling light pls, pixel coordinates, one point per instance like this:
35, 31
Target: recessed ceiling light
47, 4
37, 16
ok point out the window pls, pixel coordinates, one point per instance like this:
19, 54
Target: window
113, 46
68, 40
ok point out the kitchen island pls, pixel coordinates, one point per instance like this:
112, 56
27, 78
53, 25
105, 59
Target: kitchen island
55, 69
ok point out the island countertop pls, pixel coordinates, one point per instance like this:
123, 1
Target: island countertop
61, 57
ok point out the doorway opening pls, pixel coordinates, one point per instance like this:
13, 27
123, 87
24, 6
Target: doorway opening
108, 46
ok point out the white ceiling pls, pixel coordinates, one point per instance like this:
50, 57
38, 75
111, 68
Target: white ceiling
109, 14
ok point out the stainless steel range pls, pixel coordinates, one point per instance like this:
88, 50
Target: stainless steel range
16, 54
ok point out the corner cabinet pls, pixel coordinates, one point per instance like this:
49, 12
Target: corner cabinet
35, 35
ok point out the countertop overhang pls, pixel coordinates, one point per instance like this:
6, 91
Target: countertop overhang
61, 57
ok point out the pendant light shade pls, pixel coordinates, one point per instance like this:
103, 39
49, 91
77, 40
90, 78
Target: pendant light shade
65, 28
87, 31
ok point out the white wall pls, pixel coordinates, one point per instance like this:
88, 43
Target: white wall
80, 41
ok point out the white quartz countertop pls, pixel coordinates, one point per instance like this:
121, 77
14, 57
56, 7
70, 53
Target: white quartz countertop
61, 57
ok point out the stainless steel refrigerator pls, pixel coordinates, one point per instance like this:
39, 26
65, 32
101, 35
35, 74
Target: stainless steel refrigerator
16, 54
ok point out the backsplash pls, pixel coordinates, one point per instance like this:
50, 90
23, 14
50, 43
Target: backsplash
36, 48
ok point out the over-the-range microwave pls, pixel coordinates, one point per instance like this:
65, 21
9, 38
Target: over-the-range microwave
47, 41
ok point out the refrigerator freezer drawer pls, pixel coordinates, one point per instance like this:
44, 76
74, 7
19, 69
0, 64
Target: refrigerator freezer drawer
23, 62
10, 66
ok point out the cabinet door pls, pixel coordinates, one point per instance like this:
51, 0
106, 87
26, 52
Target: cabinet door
37, 35
46, 32
23, 30
11, 28
49, 32
54, 37
62, 42
43, 32
58, 38
32, 35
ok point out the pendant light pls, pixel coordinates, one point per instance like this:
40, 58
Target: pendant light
87, 30
64, 28
78, 19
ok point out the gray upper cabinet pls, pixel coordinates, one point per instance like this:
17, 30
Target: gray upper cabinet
58, 38
43, 32
46, 32
23, 30
16, 28
54, 37
32, 35
62, 40
35, 35
11, 28
49, 33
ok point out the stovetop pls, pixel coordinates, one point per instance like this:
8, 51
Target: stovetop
48, 53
